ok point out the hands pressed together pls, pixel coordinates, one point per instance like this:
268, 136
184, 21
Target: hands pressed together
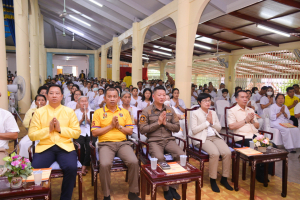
162, 119
54, 125
115, 122
209, 117
249, 117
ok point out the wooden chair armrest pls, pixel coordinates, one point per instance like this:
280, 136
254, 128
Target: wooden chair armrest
265, 132
136, 144
192, 138
30, 153
228, 136
93, 153
181, 140
237, 135
78, 149
141, 147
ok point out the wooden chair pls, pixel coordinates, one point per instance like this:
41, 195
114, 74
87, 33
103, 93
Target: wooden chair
236, 145
57, 173
143, 151
16, 140
118, 164
199, 153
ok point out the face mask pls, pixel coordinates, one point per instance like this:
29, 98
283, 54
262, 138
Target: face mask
269, 93
256, 92
95, 89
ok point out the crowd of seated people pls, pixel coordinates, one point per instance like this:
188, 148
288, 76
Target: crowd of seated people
54, 126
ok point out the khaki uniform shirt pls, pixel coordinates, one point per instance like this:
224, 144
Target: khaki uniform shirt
149, 123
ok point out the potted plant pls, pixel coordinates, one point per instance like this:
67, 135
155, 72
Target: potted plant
261, 142
16, 168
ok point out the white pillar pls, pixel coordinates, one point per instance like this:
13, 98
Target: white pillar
34, 48
22, 49
42, 51
115, 60
3, 74
162, 65
103, 62
137, 52
230, 73
96, 63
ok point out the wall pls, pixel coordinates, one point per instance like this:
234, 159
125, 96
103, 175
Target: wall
11, 62
82, 62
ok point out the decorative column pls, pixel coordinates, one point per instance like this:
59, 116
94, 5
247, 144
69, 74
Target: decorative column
230, 73
162, 65
91, 65
116, 59
42, 50
195, 79
137, 52
3, 74
22, 49
103, 62
96, 62
34, 48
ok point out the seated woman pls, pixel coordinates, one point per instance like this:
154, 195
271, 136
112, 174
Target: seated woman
43, 91
24, 144
83, 115
205, 126
134, 97
69, 96
176, 103
146, 99
126, 99
266, 101
279, 113
73, 104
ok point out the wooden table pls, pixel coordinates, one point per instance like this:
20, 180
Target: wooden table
159, 178
271, 155
28, 191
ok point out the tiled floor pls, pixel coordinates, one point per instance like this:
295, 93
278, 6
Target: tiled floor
119, 188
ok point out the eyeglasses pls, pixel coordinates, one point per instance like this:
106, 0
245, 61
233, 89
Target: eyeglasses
206, 101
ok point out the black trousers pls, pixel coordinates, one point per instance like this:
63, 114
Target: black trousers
295, 120
67, 162
261, 166
85, 149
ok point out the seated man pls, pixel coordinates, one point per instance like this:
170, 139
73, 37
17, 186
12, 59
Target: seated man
55, 126
158, 122
291, 101
111, 124
242, 120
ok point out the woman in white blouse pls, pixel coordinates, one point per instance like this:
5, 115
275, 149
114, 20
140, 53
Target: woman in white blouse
177, 103
146, 99
205, 126
266, 101
83, 115
134, 97
73, 104
279, 113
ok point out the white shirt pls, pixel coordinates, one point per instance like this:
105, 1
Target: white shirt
213, 94
256, 97
263, 101
142, 105
7, 124
181, 104
85, 128
33, 105
68, 99
140, 91
210, 131
297, 111
100, 99
274, 109
85, 90
199, 91
297, 95
193, 98
133, 101
72, 105
133, 112
58, 83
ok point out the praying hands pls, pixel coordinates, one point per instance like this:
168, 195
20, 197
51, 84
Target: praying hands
54, 125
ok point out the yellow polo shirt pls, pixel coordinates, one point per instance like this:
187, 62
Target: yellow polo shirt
289, 101
103, 118
127, 80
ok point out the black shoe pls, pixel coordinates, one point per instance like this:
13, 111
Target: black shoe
133, 196
293, 151
261, 180
175, 194
107, 198
214, 185
168, 195
225, 183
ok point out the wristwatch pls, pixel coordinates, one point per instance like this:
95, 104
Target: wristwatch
120, 127
245, 122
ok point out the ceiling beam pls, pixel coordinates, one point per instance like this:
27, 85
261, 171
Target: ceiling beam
54, 34
223, 40
266, 41
219, 5
265, 23
291, 3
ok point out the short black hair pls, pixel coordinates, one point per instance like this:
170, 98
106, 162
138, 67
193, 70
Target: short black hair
140, 82
40, 95
175, 90
158, 88
127, 73
289, 88
224, 90
295, 85
249, 91
205, 90
203, 96
76, 86
237, 93
279, 95
134, 88
55, 85
42, 88
145, 90
237, 88
264, 88
111, 89
253, 89
120, 88
68, 83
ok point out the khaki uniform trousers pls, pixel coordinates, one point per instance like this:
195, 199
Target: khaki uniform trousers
123, 150
158, 148
215, 147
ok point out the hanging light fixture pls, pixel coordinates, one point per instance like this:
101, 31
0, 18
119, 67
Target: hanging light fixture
73, 39
64, 33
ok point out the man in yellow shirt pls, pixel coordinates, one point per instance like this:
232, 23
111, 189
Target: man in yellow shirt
55, 126
291, 101
111, 124
127, 79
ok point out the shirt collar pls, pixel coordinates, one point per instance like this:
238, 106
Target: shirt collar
106, 109
240, 108
54, 108
155, 108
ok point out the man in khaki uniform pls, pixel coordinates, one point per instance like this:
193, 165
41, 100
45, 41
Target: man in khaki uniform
111, 124
158, 122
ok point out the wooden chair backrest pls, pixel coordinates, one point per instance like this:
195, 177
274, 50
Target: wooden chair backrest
186, 122
225, 117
